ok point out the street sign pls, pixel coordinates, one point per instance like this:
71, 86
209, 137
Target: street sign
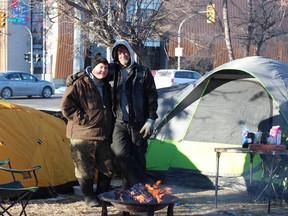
178, 51
19, 14
14, 20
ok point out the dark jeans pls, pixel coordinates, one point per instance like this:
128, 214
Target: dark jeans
130, 148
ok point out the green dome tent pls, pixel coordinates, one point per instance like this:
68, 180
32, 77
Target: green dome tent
211, 113
29, 137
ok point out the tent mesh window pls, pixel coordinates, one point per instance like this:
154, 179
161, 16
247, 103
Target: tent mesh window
228, 105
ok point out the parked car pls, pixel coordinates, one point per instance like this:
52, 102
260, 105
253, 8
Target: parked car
19, 83
169, 77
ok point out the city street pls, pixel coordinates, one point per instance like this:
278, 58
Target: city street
39, 103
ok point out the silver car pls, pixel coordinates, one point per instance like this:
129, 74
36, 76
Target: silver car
19, 83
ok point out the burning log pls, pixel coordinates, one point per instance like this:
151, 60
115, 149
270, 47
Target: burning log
143, 194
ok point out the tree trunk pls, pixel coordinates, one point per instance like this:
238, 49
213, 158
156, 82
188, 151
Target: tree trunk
143, 56
258, 48
249, 29
227, 30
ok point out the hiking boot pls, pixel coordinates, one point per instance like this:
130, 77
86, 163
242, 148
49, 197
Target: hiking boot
92, 201
103, 183
90, 198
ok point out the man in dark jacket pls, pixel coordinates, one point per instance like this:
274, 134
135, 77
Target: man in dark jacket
87, 106
134, 106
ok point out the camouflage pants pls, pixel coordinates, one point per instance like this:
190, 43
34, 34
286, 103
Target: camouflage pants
90, 155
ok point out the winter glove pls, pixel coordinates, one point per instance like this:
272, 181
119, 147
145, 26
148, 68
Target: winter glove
147, 128
73, 77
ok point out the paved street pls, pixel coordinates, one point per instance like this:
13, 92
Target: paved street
52, 104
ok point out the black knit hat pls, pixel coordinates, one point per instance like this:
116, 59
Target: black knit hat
98, 59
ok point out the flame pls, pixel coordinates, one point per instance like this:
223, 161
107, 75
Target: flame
139, 198
156, 192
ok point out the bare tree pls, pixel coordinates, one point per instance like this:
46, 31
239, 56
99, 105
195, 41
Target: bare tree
266, 19
218, 29
104, 21
268, 23
248, 25
247, 42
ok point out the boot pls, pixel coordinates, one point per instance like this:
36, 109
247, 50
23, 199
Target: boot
103, 185
86, 186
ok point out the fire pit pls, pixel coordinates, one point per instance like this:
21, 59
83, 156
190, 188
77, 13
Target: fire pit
134, 206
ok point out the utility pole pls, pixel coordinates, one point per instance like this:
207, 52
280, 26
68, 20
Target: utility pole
31, 50
78, 63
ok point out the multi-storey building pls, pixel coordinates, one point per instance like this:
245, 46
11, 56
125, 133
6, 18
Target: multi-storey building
27, 30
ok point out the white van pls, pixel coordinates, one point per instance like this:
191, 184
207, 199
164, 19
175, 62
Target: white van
169, 77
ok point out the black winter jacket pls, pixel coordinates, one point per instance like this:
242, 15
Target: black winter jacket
141, 93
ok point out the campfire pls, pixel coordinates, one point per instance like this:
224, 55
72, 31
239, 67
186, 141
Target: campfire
140, 198
144, 193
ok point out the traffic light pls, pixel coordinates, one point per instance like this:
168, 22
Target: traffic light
210, 12
27, 57
3, 19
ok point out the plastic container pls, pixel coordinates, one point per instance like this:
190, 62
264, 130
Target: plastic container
275, 133
258, 136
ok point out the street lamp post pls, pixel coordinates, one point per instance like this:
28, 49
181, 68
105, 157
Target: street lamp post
179, 50
31, 49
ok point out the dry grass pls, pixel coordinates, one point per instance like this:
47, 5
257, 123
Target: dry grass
233, 200
194, 202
